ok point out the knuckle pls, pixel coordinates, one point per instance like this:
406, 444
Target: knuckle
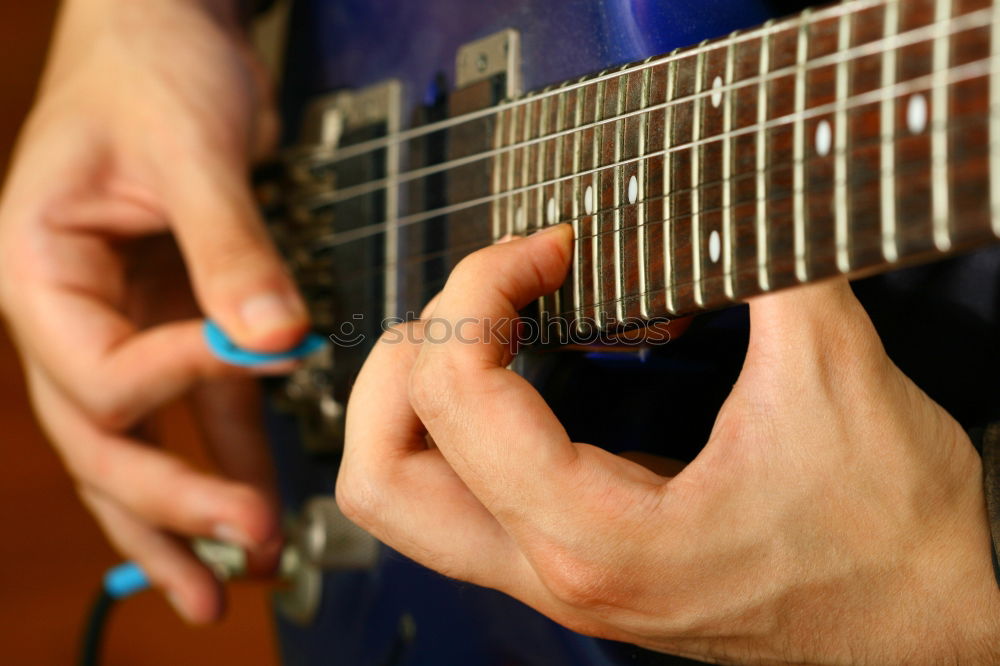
432, 381
473, 265
236, 252
108, 405
357, 499
109, 413
247, 503
208, 141
575, 581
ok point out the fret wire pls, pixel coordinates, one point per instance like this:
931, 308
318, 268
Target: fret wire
543, 149
557, 187
728, 232
437, 285
970, 70
696, 157
668, 200
876, 243
888, 133
917, 166
762, 253
575, 184
962, 23
772, 198
511, 166
640, 204
521, 215
540, 221
800, 221
939, 138
595, 250
995, 121
391, 244
617, 178
845, 26
718, 209
474, 245
772, 26
498, 174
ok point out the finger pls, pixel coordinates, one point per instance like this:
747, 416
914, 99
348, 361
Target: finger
158, 488
430, 307
136, 371
395, 486
495, 430
228, 413
189, 585
237, 274
267, 123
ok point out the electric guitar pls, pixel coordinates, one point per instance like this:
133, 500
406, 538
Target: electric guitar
704, 153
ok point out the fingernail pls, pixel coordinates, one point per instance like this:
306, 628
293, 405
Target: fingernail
175, 602
268, 312
234, 535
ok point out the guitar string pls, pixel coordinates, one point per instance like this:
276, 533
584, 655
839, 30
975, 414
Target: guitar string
601, 222
768, 29
754, 270
911, 233
968, 71
923, 34
436, 285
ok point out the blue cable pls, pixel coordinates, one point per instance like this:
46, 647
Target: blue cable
225, 349
125, 580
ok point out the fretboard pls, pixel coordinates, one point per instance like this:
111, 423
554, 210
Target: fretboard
847, 140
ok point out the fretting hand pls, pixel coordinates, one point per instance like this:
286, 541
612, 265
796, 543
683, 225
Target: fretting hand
836, 514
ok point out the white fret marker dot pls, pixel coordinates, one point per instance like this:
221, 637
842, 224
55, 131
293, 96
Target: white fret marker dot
824, 138
588, 200
633, 190
519, 222
550, 211
717, 92
714, 247
916, 114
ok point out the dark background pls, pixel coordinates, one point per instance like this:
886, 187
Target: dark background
52, 554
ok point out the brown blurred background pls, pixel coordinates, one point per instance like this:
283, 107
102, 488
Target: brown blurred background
52, 555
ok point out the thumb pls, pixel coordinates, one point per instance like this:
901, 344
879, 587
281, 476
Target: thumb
238, 276
816, 328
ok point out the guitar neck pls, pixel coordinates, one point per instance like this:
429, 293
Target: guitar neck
844, 141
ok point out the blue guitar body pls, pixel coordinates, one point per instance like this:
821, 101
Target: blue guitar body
400, 614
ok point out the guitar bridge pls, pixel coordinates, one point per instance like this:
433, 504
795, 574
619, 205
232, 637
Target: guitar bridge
331, 207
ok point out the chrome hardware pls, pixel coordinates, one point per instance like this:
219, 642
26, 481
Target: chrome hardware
269, 34
332, 542
328, 117
308, 393
302, 228
496, 55
227, 561
320, 539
